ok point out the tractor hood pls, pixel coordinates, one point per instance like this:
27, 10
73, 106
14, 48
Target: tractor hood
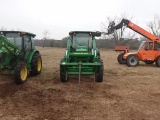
81, 51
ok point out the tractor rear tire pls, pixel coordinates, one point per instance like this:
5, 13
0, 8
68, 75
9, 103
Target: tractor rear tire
20, 73
36, 64
99, 74
132, 60
63, 75
158, 61
120, 58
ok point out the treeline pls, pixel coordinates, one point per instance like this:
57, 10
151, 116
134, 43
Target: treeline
101, 43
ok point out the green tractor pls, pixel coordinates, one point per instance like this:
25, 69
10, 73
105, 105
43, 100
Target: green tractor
18, 55
82, 56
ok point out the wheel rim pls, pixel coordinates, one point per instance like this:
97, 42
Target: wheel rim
39, 64
133, 60
23, 73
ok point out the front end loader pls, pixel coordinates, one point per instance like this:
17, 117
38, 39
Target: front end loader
82, 56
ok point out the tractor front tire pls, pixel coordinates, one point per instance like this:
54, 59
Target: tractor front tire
120, 58
63, 75
158, 61
132, 60
20, 73
36, 64
99, 74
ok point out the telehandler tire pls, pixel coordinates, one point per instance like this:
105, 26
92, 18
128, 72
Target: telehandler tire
20, 73
132, 60
158, 61
99, 74
36, 64
120, 58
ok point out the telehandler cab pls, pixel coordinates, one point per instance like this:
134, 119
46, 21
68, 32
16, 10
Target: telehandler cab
148, 52
81, 56
18, 55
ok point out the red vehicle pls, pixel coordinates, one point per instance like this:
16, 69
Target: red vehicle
148, 52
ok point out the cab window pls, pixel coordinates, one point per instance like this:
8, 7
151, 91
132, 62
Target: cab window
156, 46
27, 42
149, 46
15, 38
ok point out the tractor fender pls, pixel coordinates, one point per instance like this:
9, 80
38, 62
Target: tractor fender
30, 56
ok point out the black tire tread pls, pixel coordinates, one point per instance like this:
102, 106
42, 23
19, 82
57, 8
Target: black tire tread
158, 61
99, 74
17, 71
34, 70
120, 58
128, 63
63, 75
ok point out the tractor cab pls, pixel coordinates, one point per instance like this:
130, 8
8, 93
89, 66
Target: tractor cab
23, 40
148, 50
82, 41
82, 56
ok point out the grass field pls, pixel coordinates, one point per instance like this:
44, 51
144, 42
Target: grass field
126, 92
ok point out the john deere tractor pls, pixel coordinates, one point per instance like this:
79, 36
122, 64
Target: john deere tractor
81, 56
18, 55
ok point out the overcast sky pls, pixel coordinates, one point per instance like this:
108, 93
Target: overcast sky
61, 16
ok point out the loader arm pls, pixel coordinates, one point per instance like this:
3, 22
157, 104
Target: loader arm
133, 27
8, 45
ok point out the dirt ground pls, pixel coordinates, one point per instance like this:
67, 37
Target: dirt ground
126, 92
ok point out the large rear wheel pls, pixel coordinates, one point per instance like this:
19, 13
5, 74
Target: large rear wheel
120, 58
36, 64
132, 60
20, 73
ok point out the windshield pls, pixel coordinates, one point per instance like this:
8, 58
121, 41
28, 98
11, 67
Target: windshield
82, 39
141, 45
15, 38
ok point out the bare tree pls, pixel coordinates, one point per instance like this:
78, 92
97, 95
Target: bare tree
45, 33
154, 26
120, 34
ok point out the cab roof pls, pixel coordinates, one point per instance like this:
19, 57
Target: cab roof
97, 33
20, 32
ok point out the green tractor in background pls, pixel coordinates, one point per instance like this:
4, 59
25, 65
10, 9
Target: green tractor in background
82, 56
18, 55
